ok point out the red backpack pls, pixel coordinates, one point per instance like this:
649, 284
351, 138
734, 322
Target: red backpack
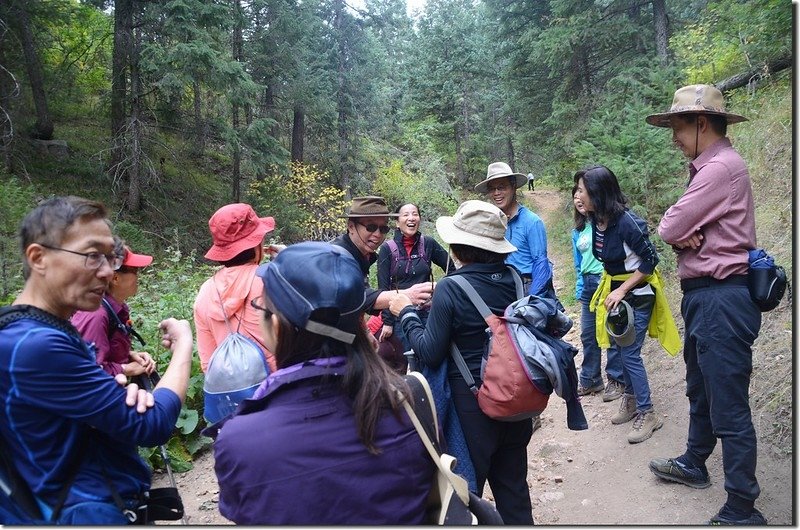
508, 392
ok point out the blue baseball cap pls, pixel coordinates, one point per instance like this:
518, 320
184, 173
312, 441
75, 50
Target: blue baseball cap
307, 277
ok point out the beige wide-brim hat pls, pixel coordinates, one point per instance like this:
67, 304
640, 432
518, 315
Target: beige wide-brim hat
476, 224
498, 170
695, 99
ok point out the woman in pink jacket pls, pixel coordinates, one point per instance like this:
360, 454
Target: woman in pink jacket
238, 235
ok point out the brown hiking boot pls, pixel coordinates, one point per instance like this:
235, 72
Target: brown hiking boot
645, 424
614, 390
627, 410
585, 391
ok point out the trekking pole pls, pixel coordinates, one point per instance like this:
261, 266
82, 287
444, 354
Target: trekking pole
148, 382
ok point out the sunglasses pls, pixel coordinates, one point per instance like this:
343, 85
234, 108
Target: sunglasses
372, 227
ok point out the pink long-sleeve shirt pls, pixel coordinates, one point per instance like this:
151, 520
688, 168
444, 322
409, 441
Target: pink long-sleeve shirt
237, 286
112, 345
718, 203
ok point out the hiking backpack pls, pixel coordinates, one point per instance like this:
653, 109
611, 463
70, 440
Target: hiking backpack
395, 250
516, 374
236, 369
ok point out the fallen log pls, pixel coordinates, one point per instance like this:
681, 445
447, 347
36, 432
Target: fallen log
755, 75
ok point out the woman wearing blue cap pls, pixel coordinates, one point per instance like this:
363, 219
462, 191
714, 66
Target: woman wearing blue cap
323, 440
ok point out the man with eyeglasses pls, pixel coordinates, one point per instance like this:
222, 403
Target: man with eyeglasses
367, 226
525, 230
70, 428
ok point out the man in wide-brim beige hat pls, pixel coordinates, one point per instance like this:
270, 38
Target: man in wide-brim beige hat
500, 170
476, 224
712, 227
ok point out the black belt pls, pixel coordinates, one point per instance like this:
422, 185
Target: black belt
691, 284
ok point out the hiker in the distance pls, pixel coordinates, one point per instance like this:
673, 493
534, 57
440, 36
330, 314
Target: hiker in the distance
61, 412
496, 450
108, 327
712, 227
325, 440
531, 178
587, 275
238, 238
630, 279
405, 260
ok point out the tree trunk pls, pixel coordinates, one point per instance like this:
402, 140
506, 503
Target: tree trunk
754, 75
510, 144
460, 176
120, 57
298, 133
44, 124
237, 154
199, 130
342, 106
662, 30
8, 86
135, 173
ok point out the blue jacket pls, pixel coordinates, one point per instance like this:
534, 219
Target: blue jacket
54, 394
526, 232
293, 457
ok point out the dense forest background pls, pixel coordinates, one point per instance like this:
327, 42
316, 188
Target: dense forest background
167, 109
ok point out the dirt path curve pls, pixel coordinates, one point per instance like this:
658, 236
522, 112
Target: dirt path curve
595, 476
591, 477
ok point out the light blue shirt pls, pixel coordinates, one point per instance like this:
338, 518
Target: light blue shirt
526, 232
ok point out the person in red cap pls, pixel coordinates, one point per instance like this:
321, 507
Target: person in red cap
238, 234
108, 328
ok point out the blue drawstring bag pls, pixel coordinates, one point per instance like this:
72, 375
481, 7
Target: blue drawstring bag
766, 281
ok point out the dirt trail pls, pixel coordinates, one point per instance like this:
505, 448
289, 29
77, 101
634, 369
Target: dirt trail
591, 477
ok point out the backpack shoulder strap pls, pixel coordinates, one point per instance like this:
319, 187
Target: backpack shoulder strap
421, 249
395, 261
125, 328
473, 296
517, 282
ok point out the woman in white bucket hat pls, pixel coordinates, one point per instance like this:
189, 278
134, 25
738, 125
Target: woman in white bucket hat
496, 450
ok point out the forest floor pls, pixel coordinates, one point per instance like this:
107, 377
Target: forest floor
591, 477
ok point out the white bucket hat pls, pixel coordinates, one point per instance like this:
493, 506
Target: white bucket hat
476, 224
498, 170
619, 324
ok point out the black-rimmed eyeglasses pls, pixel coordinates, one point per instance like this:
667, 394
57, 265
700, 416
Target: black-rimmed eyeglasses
372, 227
258, 303
94, 260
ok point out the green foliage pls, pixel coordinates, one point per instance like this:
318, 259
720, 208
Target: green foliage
167, 289
733, 36
15, 201
305, 206
430, 191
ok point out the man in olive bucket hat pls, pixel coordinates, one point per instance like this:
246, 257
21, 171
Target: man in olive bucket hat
711, 228
367, 226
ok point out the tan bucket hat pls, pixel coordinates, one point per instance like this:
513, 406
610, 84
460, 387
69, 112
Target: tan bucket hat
477, 224
369, 206
497, 170
695, 99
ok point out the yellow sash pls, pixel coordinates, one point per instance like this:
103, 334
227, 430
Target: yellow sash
662, 325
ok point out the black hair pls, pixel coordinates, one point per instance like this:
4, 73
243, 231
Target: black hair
470, 254
419, 211
578, 218
600, 183
245, 256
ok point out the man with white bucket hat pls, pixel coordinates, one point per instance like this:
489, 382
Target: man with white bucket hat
525, 229
712, 228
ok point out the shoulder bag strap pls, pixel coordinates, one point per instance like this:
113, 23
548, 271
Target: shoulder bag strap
485, 312
222, 305
517, 282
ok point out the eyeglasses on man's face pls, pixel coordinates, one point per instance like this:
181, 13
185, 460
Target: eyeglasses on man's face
93, 260
372, 227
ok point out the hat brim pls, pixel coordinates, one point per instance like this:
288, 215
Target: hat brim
451, 234
481, 187
231, 250
627, 337
136, 260
357, 215
662, 119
